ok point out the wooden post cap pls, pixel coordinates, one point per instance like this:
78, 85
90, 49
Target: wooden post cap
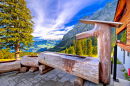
112, 24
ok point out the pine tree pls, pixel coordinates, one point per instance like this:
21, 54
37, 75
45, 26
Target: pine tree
16, 22
69, 50
82, 42
95, 46
90, 48
1, 55
85, 47
79, 48
123, 36
63, 51
74, 44
73, 50
66, 50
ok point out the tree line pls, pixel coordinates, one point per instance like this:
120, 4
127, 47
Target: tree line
82, 47
5, 54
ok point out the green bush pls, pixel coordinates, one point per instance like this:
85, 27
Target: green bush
126, 76
123, 70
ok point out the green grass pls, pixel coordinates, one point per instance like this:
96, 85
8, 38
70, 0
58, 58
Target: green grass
95, 56
1, 60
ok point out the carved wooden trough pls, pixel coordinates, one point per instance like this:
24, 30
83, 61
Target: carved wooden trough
88, 68
84, 67
31, 61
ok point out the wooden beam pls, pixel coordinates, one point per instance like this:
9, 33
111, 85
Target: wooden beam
45, 71
79, 82
112, 24
33, 69
10, 66
43, 67
23, 69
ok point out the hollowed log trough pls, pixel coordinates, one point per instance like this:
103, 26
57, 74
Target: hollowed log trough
84, 67
88, 68
31, 61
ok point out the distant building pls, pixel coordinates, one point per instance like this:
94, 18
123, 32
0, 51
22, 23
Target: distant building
123, 33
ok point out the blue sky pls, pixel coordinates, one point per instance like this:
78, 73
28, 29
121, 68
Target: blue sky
54, 18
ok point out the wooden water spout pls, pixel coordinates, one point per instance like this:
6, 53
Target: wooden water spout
102, 31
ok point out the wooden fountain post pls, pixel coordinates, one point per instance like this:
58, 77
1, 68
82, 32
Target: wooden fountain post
102, 31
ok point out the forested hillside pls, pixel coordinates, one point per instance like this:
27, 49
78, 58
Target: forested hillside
106, 14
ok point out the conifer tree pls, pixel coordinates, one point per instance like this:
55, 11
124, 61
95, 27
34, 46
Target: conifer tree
74, 44
123, 36
79, 48
90, 48
66, 50
63, 51
71, 50
95, 46
82, 42
1, 55
16, 22
85, 47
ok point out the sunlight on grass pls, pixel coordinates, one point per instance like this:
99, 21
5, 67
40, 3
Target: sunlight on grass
95, 56
1, 60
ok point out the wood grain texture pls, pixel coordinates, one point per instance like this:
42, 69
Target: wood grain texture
125, 19
124, 46
78, 82
30, 61
10, 66
112, 24
24, 69
33, 69
86, 68
103, 34
45, 71
43, 67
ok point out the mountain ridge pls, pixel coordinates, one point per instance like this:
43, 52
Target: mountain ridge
106, 14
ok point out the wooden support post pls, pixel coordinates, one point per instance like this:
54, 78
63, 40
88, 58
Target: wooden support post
43, 67
45, 71
78, 82
24, 69
102, 31
33, 69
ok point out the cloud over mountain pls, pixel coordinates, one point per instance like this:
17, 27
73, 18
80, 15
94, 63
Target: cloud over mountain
54, 18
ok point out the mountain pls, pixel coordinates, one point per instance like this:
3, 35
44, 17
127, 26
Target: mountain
106, 14
42, 45
41, 50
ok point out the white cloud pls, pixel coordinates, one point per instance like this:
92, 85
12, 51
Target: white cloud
52, 15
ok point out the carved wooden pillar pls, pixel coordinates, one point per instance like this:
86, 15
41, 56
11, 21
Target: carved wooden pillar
102, 31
